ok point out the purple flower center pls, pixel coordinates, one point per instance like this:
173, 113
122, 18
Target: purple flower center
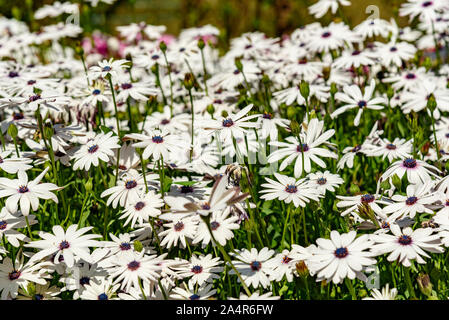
410, 76
214, 225
302, 148
139, 205
447, 203
356, 148
427, 4
124, 246
267, 115
13, 74
130, 184
205, 206
14, 275
127, 86
157, 139
385, 225
291, 188
393, 49
409, 163
411, 201
228, 123
34, 98
23, 189
93, 149
133, 265
197, 269
64, 245
31, 82
179, 226
367, 198
405, 240
155, 57
321, 181
186, 189
1, 160
255, 265
236, 71
356, 53
341, 252
3, 225
165, 122
326, 34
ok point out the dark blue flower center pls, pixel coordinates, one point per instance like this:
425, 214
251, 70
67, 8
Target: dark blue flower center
291, 188
286, 259
405, 240
103, 296
126, 86
96, 92
38, 296
93, 149
23, 189
385, 225
367, 198
133, 265
321, 181
393, 49
205, 206
131, 184
3, 225
411, 201
410, 76
124, 246
427, 4
267, 115
34, 98
157, 139
409, 163
106, 69
341, 252
186, 189
255, 265
326, 34
18, 116
194, 297
155, 57
197, 269
31, 82
84, 280
13, 74
356, 148
362, 104
64, 245
228, 123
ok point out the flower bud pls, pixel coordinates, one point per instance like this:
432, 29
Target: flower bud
155, 69
304, 89
238, 64
334, 88
88, 185
189, 81
431, 102
354, 188
291, 112
390, 93
163, 46
265, 79
302, 269
12, 131
425, 286
224, 114
427, 63
138, 246
385, 185
210, 109
396, 181
295, 127
201, 44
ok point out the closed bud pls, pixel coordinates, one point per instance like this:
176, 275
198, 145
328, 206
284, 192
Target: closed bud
365, 212
302, 269
163, 46
334, 88
189, 81
31, 289
48, 131
265, 79
312, 114
304, 89
201, 43
326, 73
210, 109
224, 114
138, 246
238, 64
88, 185
431, 102
425, 286
385, 185
12, 131
397, 182
295, 127
427, 63
79, 50
155, 69
353, 189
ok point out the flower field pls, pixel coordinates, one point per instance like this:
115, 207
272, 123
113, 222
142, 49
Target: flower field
141, 165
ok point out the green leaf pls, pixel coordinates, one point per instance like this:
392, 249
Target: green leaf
186, 183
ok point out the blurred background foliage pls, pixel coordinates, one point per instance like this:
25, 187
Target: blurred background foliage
232, 17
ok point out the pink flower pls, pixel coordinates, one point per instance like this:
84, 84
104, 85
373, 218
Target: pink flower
167, 38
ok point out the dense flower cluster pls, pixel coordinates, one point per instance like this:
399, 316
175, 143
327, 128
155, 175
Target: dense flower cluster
157, 168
